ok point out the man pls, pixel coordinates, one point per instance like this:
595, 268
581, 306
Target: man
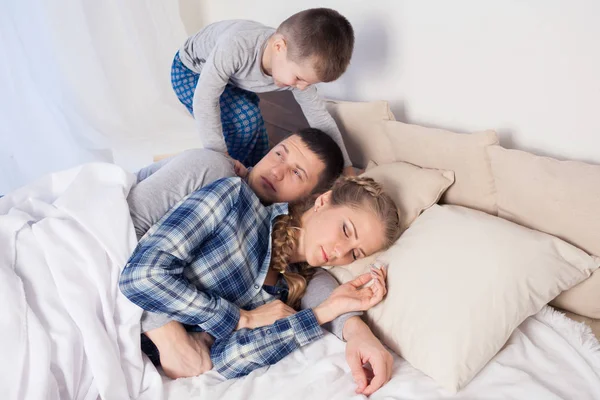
304, 163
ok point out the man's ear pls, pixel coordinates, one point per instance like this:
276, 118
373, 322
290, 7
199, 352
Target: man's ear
323, 200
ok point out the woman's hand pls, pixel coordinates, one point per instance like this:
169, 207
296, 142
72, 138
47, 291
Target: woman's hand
264, 315
356, 295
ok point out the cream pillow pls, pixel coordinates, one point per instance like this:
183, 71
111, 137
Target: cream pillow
465, 154
459, 282
412, 188
561, 198
357, 122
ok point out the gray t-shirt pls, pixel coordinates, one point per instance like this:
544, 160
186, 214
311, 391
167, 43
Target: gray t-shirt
231, 52
162, 185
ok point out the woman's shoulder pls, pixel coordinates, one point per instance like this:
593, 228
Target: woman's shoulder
234, 186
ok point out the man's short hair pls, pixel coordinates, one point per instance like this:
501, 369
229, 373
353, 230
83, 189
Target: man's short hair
326, 150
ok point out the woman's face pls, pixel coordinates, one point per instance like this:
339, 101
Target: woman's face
338, 235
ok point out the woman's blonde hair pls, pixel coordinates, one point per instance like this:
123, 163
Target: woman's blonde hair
355, 192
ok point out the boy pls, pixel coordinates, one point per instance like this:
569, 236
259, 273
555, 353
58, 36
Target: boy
219, 70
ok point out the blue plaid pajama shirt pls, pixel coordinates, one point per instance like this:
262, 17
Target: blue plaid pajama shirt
207, 258
243, 125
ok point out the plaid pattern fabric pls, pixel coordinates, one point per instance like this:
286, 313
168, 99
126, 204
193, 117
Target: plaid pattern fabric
243, 125
203, 261
249, 349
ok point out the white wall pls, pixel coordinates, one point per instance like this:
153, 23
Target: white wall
528, 69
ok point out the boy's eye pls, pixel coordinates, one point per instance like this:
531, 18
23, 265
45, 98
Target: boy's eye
346, 231
297, 173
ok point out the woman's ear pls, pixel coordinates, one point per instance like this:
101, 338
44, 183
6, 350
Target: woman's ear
323, 200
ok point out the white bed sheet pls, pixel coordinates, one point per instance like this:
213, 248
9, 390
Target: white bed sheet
547, 357
67, 332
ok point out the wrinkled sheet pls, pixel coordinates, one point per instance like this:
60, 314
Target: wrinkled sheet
66, 332
549, 357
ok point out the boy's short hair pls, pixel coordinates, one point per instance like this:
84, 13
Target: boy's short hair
322, 33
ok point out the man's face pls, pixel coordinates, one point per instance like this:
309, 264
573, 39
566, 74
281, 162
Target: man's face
289, 172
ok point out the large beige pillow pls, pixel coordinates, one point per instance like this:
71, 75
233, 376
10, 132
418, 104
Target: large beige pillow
441, 149
561, 198
413, 189
357, 122
459, 282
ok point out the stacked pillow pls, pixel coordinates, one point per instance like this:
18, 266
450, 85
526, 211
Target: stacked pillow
461, 280
561, 198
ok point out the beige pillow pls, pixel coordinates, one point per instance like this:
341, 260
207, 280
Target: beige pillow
412, 188
460, 281
441, 149
561, 198
357, 123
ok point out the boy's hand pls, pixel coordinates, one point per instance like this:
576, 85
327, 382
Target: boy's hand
240, 169
349, 171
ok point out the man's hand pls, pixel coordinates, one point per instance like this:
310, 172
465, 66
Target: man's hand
182, 355
363, 347
264, 315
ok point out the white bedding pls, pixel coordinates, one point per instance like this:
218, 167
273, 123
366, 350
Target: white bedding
67, 332
548, 357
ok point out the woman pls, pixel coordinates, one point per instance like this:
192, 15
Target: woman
221, 252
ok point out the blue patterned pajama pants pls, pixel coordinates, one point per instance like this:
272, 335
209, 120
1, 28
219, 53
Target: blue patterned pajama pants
243, 126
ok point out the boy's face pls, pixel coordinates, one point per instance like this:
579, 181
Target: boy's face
286, 72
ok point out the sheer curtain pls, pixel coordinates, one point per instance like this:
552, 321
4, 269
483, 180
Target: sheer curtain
87, 80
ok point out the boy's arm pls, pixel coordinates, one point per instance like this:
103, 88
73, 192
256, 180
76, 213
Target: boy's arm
154, 276
220, 65
318, 117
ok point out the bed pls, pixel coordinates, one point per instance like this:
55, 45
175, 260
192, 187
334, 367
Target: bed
68, 333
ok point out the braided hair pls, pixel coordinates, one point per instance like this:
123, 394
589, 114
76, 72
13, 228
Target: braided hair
355, 192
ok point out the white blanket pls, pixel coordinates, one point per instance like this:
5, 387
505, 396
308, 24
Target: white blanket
549, 357
66, 332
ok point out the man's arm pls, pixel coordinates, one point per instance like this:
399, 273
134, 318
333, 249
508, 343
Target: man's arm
153, 277
163, 184
320, 288
362, 346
